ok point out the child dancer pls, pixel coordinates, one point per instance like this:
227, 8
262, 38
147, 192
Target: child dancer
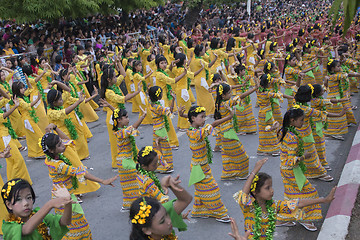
127, 154
292, 157
255, 199
62, 172
208, 201
24, 222
161, 124
235, 159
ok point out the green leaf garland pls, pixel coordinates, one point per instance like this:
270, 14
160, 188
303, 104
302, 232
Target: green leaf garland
300, 147
153, 176
69, 125
74, 94
9, 127
32, 112
258, 217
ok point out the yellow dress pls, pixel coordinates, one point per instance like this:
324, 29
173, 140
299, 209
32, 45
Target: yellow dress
291, 74
183, 95
39, 106
15, 165
147, 188
164, 81
82, 87
62, 173
71, 154
58, 117
3, 210
142, 97
202, 83
32, 130
88, 112
15, 117
220, 61
114, 100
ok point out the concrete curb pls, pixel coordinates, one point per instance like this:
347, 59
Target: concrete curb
336, 223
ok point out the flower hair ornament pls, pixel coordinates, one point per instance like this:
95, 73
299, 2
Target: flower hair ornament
330, 62
254, 183
268, 66
146, 151
291, 45
287, 57
312, 88
242, 55
116, 113
158, 92
6, 192
268, 76
296, 106
261, 51
199, 109
221, 89
143, 213
313, 42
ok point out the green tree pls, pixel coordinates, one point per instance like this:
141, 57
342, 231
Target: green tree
32, 10
349, 7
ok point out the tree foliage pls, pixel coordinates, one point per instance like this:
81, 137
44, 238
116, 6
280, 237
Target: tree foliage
32, 10
349, 7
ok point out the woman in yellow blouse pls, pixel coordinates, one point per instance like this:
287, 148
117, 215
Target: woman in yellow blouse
113, 95
29, 119
202, 81
164, 81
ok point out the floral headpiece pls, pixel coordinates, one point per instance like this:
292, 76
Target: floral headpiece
143, 213
330, 62
6, 192
312, 88
254, 183
146, 151
37, 60
199, 109
288, 57
261, 51
296, 106
268, 66
291, 45
268, 76
313, 42
116, 113
221, 89
242, 55
158, 92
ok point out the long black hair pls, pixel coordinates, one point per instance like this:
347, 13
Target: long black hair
287, 59
225, 89
292, 113
13, 194
53, 96
49, 142
153, 93
117, 114
303, 94
16, 86
108, 73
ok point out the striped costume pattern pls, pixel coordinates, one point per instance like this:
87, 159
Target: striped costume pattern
318, 103
314, 167
274, 86
61, 173
286, 208
336, 125
288, 159
235, 160
268, 141
157, 112
207, 198
128, 177
147, 188
291, 74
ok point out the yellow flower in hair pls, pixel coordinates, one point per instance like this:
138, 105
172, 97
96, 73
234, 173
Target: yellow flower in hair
296, 106
146, 151
287, 57
312, 88
199, 109
330, 61
211, 76
313, 42
268, 66
268, 76
8, 189
291, 45
261, 51
221, 89
254, 183
39, 142
158, 92
143, 213
116, 113
242, 55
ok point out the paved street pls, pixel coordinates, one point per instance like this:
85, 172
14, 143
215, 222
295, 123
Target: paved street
102, 208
